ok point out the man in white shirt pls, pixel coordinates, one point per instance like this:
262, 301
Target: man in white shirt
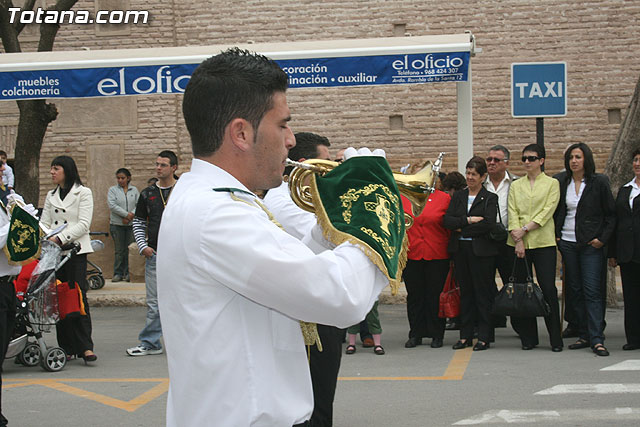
324, 365
231, 283
499, 181
7, 175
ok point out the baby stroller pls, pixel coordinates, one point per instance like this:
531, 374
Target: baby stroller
40, 306
94, 273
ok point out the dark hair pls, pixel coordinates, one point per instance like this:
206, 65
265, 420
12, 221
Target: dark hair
635, 153
168, 154
538, 149
71, 175
306, 147
454, 181
234, 84
3, 153
505, 150
478, 164
124, 171
589, 163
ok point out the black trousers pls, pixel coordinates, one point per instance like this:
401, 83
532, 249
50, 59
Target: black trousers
630, 275
7, 325
324, 368
544, 260
477, 292
424, 281
74, 331
503, 262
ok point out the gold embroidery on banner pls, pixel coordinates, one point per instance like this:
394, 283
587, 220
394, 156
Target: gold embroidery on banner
381, 207
389, 250
24, 233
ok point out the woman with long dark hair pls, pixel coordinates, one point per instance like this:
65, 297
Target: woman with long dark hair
71, 203
471, 215
584, 221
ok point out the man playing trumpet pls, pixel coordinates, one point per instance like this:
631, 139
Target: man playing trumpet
231, 283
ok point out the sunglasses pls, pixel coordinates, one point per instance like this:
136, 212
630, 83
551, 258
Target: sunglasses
494, 159
530, 159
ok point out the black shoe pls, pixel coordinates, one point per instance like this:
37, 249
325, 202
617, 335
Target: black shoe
481, 346
556, 349
581, 343
600, 350
527, 347
570, 332
460, 344
631, 346
436, 343
412, 342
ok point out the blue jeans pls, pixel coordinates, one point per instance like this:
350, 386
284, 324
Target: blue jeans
150, 335
583, 276
122, 237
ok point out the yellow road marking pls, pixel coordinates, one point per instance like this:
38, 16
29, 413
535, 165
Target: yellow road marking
455, 371
130, 406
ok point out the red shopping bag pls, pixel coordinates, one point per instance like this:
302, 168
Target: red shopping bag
70, 300
450, 297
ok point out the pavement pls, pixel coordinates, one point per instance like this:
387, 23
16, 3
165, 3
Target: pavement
414, 387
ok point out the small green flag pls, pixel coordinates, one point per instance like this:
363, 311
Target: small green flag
23, 241
359, 202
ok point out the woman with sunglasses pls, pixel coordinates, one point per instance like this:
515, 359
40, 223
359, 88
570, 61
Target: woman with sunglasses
624, 250
584, 220
532, 202
471, 215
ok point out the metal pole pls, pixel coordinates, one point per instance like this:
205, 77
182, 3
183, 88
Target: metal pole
540, 134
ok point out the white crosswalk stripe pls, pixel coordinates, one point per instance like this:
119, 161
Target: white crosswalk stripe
627, 365
590, 389
505, 416
519, 416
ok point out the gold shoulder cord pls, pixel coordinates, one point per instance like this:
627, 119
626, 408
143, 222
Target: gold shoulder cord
309, 330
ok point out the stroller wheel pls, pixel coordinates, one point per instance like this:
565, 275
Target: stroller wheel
96, 282
30, 356
54, 360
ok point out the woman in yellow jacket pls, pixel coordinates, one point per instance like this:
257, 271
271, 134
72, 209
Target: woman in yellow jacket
532, 202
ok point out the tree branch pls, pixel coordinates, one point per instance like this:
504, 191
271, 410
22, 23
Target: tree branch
8, 32
48, 32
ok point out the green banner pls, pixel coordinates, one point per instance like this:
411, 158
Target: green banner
359, 202
23, 241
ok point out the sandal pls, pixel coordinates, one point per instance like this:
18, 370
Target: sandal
581, 343
600, 350
378, 350
350, 349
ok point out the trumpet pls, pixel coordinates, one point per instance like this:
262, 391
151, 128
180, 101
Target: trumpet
416, 188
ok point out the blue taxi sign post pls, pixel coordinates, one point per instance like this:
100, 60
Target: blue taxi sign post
539, 89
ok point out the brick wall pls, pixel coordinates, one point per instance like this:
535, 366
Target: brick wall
599, 40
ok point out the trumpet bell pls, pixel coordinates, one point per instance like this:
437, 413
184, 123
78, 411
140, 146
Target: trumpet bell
299, 179
416, 188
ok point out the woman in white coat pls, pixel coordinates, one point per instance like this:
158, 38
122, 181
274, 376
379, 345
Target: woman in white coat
71, 203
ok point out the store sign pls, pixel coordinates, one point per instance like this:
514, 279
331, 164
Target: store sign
303, 73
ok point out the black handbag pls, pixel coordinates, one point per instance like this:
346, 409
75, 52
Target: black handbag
521, 299
499, 232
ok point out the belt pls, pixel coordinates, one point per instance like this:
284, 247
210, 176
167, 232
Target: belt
304, 424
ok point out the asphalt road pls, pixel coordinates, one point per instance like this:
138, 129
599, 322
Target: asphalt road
406, 387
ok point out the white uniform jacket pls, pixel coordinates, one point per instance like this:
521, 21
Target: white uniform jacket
76, 210
293, 219
231, 287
